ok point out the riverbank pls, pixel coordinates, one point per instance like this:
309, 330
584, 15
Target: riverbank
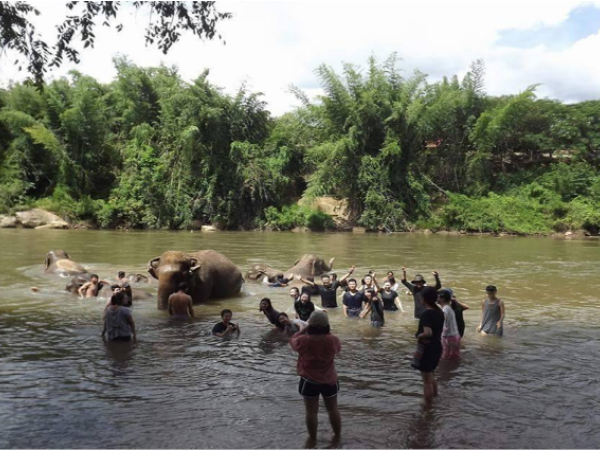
39, 219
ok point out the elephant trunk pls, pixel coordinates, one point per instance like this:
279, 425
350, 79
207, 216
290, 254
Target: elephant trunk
162, 298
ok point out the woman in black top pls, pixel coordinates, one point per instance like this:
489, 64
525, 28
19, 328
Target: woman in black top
429, 336
271, 313
304, 308
458, 308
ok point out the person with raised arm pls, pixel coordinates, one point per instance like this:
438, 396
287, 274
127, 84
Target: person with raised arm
416, 288
327, 290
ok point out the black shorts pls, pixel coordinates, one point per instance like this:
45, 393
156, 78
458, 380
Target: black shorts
310, 389
431, 358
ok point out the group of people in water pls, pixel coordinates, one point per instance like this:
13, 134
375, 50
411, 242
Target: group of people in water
440, 330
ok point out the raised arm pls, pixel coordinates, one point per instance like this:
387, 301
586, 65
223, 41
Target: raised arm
299, 278
405, 282
438, 283
350, 272
374, 276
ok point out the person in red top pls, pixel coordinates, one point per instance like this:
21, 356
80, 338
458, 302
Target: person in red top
316, 348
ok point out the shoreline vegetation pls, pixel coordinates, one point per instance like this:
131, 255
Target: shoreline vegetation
377, 151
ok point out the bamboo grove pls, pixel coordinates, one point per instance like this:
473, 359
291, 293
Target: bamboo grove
150, 150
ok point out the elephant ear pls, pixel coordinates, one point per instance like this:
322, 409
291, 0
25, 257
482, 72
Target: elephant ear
153, 265
194, 265
330, 265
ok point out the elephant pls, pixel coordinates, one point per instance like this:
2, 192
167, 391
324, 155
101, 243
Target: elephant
59, 262
307, 266
208, 274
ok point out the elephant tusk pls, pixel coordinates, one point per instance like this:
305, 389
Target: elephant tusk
195, 268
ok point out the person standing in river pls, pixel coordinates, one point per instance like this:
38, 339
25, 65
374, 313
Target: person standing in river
180, 303
450, 335
458, 308
416, 288
328, 290
305, 307
429, 342
352, 300
373, 306
118, 320
394, 284
317, 349
391, 299
492, 314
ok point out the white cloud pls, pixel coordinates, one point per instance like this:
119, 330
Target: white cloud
271, 45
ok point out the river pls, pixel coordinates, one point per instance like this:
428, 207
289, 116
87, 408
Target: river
178, 387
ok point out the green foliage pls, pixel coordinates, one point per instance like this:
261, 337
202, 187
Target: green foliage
290, 217
151, 150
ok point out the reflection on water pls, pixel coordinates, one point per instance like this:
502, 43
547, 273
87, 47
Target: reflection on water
178, 386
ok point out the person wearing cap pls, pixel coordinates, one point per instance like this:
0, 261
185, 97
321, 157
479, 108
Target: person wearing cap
458, 308
317, 349
416, 287
492, 313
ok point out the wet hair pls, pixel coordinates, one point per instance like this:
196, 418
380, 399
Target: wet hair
94, 275
283, 314
280, 276
268, 302
295, 289
226, 311
351, 280
334, 276
389, 271
430, 296
182, 286
392, 279
317, 329
325, 276
120, 274
117, 299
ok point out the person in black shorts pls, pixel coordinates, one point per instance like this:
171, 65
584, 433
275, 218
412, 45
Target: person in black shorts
225, 327
328, 290
429, 338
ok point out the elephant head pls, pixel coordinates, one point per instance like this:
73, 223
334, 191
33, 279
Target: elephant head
171, 269
257, 271
310, 265
55, 255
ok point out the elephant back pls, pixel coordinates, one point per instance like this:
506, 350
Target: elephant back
218, 271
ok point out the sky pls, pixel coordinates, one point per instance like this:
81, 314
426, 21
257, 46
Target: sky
272, 45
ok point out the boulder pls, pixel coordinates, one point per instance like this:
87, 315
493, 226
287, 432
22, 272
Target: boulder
329, 205
56, 225
359, 230
37, 217
208, 228
8, 222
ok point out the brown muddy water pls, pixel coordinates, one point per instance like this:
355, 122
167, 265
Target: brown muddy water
178, 387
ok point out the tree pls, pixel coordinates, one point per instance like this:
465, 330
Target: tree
167, 22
